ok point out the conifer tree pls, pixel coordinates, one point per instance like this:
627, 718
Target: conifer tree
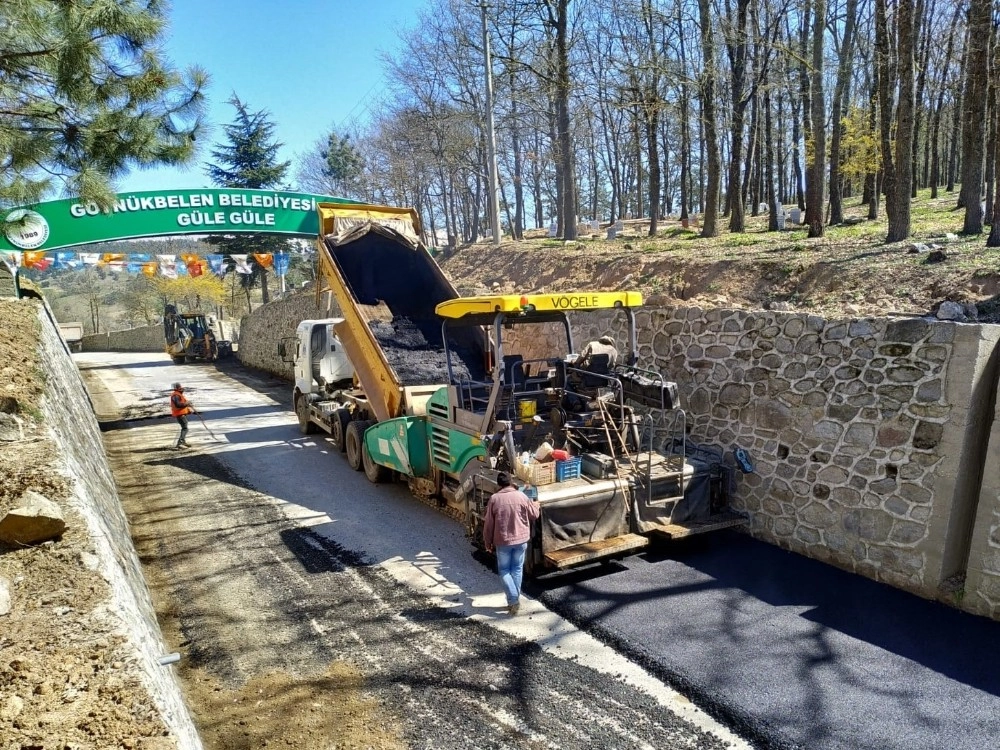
86, 95
249, 161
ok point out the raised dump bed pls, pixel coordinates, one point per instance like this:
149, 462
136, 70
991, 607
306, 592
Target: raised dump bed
388, 287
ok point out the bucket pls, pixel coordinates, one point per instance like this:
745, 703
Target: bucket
526, 409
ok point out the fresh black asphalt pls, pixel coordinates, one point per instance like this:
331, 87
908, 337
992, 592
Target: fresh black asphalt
794, 653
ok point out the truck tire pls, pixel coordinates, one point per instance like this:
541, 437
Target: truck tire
306, 427
354, 443
179, 360
376, 473
339, 421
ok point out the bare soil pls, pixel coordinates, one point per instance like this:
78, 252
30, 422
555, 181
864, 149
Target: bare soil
67, 679
849, 272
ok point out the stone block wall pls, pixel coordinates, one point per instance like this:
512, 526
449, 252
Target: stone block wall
866, 434
261, 331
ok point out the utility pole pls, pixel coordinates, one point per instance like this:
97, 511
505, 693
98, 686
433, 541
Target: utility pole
491, 143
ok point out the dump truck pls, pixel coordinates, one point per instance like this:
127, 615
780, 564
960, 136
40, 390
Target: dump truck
72, 334
417, 383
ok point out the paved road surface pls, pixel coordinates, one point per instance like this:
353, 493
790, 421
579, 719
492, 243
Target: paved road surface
261, 537
787, 651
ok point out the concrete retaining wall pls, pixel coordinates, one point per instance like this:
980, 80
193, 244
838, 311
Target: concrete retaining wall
145, 339
981, 590
75, 431
261, 331
148, 338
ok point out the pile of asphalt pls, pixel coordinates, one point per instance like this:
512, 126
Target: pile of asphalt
415, 352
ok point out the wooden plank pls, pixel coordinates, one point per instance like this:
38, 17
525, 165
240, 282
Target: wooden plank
563, 558
714, 523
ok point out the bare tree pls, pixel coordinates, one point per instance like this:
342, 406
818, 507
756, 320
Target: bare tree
710, 123
974, 113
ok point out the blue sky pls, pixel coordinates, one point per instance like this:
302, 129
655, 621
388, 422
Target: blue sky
313, 64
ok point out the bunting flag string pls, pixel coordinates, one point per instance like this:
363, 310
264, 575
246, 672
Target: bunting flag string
168, 265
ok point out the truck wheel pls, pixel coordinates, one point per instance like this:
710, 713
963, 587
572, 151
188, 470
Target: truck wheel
339, 421
179, 360
354, 443
376, 473
306, 427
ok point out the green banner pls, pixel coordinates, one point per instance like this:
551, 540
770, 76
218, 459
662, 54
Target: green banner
64, 223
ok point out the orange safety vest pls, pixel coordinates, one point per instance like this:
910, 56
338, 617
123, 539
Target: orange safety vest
179, 405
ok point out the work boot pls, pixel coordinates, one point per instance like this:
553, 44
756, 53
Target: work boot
512, 609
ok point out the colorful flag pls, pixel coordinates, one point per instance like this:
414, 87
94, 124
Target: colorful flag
112, 257
140, 257
150, 269
241, 264
216, 264
90, 259
32, 258
167, 258
281, 261
190, 258
168, 270
66, 260
264, 259
133, 267
194, 268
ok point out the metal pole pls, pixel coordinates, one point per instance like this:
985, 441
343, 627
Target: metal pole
491, 145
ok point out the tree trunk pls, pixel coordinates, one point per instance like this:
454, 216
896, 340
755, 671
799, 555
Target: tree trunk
737, 50
897, 201
817, 171
517, 226
562, 86
956, 120
974, 113
840, 102
685, 157
714, 165
772, 200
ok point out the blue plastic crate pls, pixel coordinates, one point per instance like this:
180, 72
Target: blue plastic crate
568, 469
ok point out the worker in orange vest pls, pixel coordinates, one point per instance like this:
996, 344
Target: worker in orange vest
180, 407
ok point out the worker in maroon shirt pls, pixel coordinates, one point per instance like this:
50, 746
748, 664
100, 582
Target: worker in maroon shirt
506, 530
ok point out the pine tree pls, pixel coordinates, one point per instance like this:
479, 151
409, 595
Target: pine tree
86, 95
343, 165
249, 161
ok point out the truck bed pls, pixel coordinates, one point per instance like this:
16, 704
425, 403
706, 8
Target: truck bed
388, 286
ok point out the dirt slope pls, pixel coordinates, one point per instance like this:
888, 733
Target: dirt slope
850, 271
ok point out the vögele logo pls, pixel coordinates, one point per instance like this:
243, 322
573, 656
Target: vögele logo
26, 229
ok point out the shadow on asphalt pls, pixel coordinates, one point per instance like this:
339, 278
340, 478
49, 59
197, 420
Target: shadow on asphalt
165, 362
929, 633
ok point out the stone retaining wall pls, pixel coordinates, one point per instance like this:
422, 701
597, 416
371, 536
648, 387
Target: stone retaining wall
261, 331
868, 436
75, 431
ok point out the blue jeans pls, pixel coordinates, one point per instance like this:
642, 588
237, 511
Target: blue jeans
510, 566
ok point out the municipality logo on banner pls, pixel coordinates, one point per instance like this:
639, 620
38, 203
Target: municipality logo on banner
26, 229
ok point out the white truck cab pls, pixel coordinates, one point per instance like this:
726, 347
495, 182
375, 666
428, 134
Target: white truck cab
319, 359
